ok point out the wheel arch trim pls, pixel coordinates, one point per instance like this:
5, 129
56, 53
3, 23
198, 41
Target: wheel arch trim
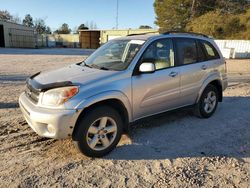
105, 96
212, 78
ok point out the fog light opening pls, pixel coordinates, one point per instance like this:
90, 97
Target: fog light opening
51, 129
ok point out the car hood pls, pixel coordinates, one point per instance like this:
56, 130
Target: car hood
76, 74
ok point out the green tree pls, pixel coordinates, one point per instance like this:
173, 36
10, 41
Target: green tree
83, 27
176, 14
48, 30
5, 15
214, 24
40, 26
200, 7
64, 29
232, 6
245, 19
172, 14
28, 20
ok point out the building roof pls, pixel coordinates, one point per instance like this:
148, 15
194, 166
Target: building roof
137, 37
16, 24
143, 30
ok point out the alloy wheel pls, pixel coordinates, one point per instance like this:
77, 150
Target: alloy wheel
210, 102
101, 133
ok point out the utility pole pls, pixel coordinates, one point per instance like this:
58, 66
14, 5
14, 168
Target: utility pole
117, 14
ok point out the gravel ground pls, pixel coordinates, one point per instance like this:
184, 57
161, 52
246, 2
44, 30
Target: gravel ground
173, 149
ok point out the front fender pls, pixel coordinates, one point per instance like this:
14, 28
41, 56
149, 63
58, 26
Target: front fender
105, 96
214, 77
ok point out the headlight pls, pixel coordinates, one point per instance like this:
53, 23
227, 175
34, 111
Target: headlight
59, 96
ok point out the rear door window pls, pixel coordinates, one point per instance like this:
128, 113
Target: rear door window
186, 50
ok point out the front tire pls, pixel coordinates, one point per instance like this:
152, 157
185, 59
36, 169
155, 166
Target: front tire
207, 103
98, 131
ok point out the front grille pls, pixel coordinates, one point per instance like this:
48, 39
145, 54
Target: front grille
31, 94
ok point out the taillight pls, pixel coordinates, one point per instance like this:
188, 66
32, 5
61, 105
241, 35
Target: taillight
225, 63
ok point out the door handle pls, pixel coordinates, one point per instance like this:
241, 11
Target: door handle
173, 74
203, 67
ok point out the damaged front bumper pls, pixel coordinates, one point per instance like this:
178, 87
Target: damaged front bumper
51, 123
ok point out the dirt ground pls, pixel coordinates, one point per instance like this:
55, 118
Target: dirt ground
174, 149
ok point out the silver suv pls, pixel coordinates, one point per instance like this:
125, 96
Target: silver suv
127, 79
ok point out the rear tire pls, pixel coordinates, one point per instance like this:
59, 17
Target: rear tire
207, 103
98, 131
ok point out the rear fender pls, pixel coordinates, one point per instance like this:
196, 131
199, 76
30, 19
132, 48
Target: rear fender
211, 78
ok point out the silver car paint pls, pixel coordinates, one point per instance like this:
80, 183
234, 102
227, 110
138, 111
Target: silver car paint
40, 119
142, 95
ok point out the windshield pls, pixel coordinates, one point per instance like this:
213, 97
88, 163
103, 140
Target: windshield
114, 55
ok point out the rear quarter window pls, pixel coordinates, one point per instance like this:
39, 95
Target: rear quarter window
211, 52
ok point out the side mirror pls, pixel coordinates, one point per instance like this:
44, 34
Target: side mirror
147, 67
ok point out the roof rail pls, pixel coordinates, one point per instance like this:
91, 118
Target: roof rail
184, 32
141, 33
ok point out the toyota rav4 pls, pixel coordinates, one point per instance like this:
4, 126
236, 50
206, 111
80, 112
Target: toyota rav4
94, 101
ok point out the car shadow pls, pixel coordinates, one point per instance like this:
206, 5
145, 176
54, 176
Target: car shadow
9, 105
180, 134
13, 78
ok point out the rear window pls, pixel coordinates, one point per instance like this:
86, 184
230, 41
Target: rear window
210, 51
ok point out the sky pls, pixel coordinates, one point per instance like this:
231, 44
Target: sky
132, 13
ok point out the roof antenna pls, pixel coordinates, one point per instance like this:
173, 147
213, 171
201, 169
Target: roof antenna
117, 11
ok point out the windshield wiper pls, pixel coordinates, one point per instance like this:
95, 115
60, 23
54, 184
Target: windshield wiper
104, 68
99, 67
95, 66
86, 65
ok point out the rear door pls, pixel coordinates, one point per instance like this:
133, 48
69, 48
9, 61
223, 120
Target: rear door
158, 91
194, 68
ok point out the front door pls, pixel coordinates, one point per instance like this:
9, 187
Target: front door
158, 91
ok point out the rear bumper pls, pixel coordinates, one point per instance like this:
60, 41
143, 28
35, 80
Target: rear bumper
51, 123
